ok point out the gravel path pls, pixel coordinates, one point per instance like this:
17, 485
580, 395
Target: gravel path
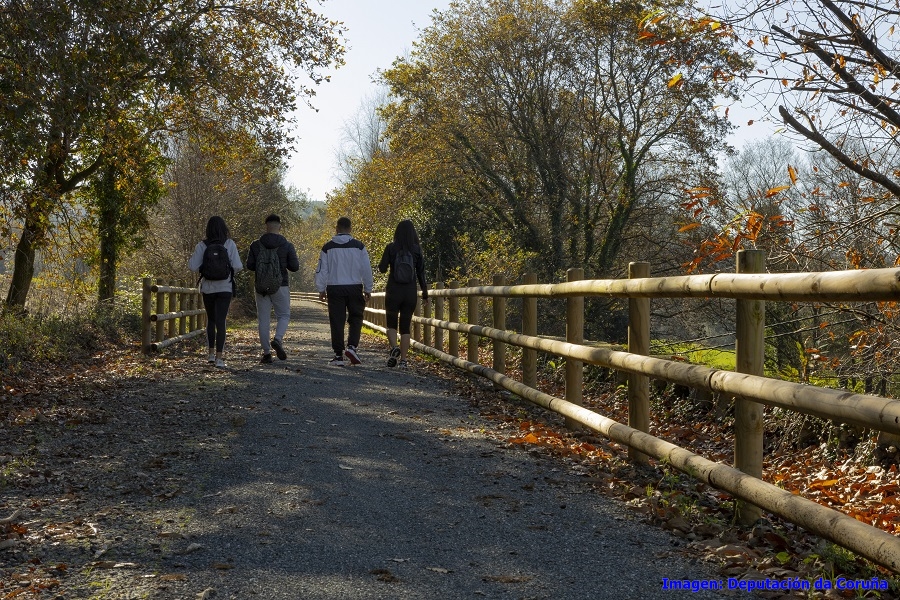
302, 480
366, 482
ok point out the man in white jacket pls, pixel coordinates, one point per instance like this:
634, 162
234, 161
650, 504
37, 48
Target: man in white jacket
344, 277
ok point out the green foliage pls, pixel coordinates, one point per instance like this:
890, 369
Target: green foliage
75, 75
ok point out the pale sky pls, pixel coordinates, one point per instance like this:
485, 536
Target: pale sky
377, 33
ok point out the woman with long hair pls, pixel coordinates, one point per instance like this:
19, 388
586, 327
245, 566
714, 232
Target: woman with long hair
403, 257
216, 259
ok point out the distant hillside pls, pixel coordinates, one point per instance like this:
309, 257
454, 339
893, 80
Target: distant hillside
311, 207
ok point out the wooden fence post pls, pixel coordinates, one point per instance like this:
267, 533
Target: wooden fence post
499, 308
160, 308
750, 355
453, 302
195, 305
473, 318
172, 298
638, 343
182, 306
146, 310
529, 327
574, 335
426, 331
439, 315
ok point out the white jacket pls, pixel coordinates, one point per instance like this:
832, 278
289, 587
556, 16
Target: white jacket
344, 261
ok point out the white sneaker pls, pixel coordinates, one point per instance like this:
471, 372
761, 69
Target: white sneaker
220, 363
352, 356
212, 357
337, 361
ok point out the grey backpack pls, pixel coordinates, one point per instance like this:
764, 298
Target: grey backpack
268, 271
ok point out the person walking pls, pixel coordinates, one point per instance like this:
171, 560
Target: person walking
270, 258
404, 258
216, 259
344, 278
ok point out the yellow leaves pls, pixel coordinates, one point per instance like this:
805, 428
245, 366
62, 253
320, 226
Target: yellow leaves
688, 227
776, 190
793, 174
675, 80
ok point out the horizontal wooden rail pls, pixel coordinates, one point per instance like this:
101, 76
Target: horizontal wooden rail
836, 286
157, 346
169, 289
839, 405
176, 315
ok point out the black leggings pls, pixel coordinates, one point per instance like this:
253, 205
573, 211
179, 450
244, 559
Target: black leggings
400, 299
216, 306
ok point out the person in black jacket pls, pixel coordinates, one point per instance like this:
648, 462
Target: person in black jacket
400, 293
281, 299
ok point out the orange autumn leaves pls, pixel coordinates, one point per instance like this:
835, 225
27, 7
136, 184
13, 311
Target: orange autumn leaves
538, 434
743, 229
870, 494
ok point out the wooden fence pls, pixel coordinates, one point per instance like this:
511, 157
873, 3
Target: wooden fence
170, 314
750, 289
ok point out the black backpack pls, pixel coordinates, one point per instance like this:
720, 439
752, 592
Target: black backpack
216, 265
404, 267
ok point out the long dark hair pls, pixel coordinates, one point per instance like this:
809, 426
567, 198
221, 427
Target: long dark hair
217, 230
405, 236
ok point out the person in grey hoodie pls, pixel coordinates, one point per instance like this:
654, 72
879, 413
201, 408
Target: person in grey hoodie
280, 301
344, 278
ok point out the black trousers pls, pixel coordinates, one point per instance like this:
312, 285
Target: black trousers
345, 305
216, 306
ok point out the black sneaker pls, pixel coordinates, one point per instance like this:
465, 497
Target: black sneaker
352, 356
402, 365
266, 359
394, 356
279, 349
337, 361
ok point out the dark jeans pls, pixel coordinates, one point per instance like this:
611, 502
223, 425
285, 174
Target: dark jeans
400, 301
344, 304
216, 306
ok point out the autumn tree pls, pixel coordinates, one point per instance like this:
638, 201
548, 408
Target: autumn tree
555, 121
70, 70
829, 69
199, 186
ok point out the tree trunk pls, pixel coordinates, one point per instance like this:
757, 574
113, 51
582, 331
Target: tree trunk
106, 286
109, 202
23, 268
